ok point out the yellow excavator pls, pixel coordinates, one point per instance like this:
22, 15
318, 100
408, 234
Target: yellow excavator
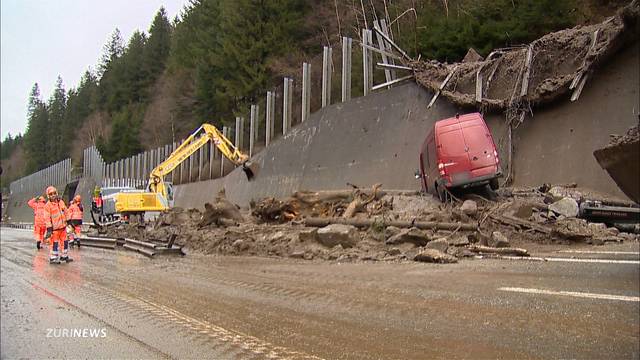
125, 203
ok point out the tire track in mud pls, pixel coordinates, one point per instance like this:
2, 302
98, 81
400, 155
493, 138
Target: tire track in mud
222, 342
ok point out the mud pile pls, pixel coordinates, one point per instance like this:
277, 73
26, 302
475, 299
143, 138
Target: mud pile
544, 70
374, 225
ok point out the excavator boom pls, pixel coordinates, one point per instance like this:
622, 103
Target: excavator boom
195, 141
158, 195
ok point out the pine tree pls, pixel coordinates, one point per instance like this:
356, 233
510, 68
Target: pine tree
37, 136
159, 44
111, 51
58, 148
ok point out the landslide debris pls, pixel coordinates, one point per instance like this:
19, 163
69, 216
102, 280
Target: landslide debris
272, 227
557, 60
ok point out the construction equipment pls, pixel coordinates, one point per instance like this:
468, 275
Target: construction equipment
128, 204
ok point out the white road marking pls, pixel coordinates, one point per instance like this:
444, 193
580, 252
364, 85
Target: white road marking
572, 293
554, 259
600, 252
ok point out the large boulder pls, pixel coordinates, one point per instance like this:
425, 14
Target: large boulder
338, 234
567, 207
438, 244
412, 235
434, 256
461, 240
498, 240
469, 208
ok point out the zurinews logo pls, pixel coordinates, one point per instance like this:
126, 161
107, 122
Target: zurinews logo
76, 333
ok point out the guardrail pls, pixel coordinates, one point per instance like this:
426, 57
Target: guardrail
25, 226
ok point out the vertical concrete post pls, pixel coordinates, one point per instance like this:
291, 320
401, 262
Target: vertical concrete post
181, 167
306, 91
190, 168
139, 168
347, 44
211, 155
127, 172
239, 135
116, 173
122, 174
253, 121
287, 105
152, 159
326, 76
200, 162
225, 133
270, 115
367, 61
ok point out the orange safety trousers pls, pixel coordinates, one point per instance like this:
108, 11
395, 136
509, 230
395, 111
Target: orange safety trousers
39, 231
59, 241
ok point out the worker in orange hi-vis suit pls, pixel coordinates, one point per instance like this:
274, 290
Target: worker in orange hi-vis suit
74, 220
39, 228
56, 222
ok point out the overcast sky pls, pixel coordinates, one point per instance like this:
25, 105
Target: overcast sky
42, 39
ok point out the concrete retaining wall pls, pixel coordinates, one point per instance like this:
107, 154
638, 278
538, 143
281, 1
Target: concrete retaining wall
376, 139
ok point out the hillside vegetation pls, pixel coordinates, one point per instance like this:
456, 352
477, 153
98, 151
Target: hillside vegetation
219, 56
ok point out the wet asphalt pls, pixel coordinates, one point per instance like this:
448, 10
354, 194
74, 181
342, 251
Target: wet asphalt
117, 304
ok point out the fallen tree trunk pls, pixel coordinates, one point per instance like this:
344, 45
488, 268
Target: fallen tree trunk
501, 251
320, 222
514, 221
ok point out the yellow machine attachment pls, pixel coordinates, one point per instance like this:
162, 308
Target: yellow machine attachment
158, 195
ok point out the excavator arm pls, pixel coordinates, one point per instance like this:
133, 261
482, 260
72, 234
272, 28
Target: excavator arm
195, 141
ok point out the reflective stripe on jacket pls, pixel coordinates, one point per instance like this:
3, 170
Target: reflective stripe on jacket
38, 212
55, 215
75, 211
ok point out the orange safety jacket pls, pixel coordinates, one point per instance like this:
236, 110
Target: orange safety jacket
55, 215
75, 211
38, 212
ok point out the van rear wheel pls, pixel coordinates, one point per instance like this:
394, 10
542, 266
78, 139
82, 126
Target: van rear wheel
494, 184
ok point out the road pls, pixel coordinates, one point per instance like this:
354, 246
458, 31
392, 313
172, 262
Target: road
254, 308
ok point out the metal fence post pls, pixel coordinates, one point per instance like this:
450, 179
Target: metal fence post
347, 44
306, 91
326, 76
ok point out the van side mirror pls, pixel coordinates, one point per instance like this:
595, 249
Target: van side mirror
417, 174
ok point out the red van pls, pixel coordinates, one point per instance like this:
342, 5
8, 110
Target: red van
458, 152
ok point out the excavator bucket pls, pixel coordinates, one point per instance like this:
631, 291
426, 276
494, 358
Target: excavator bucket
250, 169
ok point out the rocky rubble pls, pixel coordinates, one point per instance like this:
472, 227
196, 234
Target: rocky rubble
520, 216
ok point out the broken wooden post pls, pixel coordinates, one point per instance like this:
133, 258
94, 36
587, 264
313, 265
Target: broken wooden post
321, 222
527, 71
388, 73
479, 84
441, 87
